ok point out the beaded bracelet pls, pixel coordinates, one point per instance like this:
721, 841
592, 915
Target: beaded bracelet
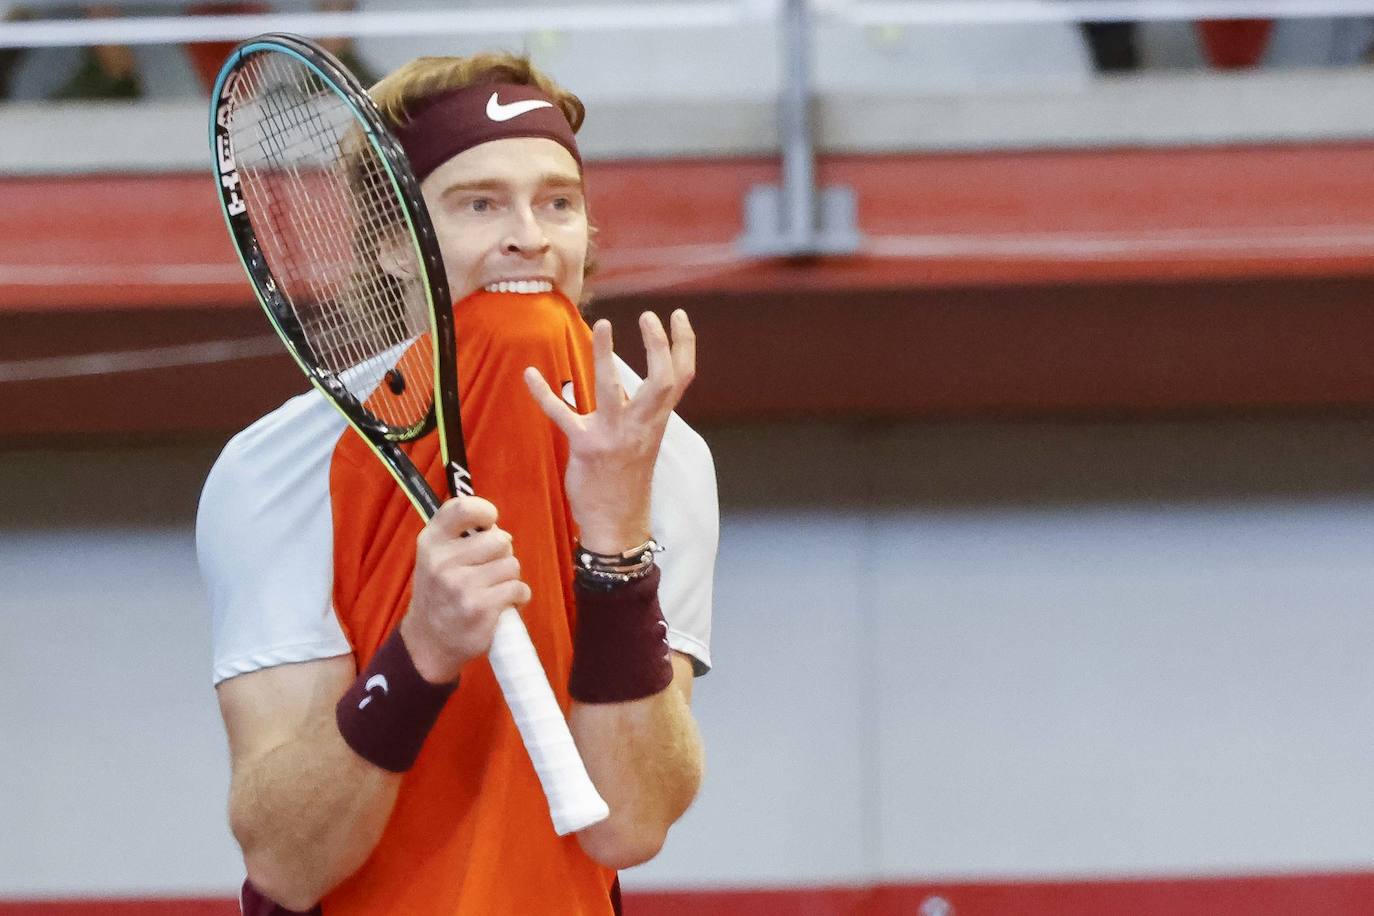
610, 570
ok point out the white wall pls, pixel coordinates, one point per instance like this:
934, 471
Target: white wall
942, 650
112, 760
1038, 650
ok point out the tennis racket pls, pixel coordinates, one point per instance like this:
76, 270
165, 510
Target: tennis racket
329, 223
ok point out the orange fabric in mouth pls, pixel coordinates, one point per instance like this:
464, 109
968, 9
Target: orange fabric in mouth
470, 833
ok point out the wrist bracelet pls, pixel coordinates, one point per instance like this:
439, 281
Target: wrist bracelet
620, 644
605, 580
611, 570
388, 711
642, 555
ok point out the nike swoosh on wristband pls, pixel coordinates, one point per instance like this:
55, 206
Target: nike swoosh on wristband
498, 112
377, 680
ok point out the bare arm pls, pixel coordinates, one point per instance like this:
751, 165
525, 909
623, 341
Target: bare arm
645, 756
306, 809
646, 759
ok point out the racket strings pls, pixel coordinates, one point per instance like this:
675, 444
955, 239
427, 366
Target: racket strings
327, 216
321, 325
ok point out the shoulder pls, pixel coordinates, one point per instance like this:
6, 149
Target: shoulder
273, 447
279, 464
264, 540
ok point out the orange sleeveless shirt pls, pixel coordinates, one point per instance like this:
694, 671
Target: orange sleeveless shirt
470, 834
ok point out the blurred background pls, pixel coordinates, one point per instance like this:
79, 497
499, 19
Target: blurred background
1036, 360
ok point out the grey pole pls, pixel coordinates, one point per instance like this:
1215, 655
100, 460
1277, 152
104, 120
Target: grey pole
796, 219
798, 154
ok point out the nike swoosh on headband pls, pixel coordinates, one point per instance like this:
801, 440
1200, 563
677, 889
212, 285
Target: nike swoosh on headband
498, 112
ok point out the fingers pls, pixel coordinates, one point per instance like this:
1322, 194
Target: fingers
474, 547
509, 594
491, 587
463, 514
684, 349
496, 571
459, 587
657, 352
608, 391
468, 566
464, 530
564, 417
671, 363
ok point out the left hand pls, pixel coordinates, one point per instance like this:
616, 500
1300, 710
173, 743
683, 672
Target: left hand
612, 450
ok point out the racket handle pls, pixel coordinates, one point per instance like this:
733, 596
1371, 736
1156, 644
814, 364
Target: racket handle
573, 801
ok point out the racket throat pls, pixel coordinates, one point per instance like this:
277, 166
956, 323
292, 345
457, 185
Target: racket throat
459, 480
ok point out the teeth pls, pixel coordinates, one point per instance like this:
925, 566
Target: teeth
520, 286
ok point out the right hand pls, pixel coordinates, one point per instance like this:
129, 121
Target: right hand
459, 588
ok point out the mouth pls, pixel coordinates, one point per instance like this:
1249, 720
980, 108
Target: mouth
520, 286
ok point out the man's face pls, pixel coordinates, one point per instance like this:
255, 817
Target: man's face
510, 211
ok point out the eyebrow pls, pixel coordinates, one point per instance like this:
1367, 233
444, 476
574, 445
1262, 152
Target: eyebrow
548, 179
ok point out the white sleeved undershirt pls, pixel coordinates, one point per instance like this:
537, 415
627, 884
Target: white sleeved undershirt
265, 541
686, 521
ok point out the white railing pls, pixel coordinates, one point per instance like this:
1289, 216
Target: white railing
169, 29
974, 12
153, 30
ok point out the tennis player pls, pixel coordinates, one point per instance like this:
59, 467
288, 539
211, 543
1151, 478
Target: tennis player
376, 769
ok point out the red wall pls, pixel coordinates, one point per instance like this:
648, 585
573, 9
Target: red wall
1350, 894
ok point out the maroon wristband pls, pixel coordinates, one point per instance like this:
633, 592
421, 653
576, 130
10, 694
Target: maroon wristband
252, 902
387, 713
620, 649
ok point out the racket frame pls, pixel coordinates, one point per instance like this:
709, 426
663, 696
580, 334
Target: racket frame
444, 409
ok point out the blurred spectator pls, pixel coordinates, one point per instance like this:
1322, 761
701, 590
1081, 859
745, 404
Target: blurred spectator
10, 57
1235, 44
1113, 46
106, 71
344, 48
111, 71
208, 56
1320, 42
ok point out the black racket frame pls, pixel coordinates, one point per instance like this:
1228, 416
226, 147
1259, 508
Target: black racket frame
444, 411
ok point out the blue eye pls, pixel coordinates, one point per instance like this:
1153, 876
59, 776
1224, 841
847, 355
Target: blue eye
479, 205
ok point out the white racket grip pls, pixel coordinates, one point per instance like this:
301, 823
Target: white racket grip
574, 802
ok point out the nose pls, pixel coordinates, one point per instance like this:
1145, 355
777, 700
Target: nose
525, 236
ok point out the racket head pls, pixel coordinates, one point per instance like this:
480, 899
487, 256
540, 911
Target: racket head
328, 220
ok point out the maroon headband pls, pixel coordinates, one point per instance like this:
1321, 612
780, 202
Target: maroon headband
444, 125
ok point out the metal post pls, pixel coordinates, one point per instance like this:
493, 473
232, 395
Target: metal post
798, 156
797, 220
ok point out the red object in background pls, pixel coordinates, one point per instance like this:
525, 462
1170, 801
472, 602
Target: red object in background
1331, 894
208, 56
1072, 282
1234, 44
931, 221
